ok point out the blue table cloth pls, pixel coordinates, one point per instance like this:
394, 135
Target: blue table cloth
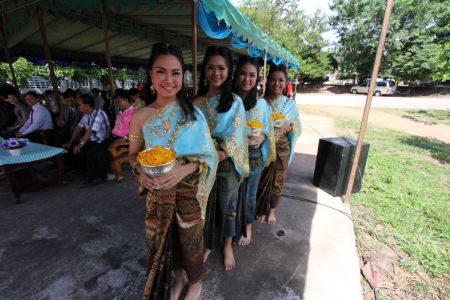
32, 152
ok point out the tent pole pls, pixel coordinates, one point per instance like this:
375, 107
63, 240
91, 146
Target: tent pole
194, 49
8, 58
107, 53
48, 55
373, 81
264, 72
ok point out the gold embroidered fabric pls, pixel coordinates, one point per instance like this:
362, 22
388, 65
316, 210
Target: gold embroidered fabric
192, 142
236, 144
208, 107
135, 138
229, 129
206, 177
289, 109
272, 152
262, 112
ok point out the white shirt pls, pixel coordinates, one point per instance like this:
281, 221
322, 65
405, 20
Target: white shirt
38, 119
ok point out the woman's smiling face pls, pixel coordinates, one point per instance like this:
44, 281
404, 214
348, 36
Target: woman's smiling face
167, 76
246, 77
216, 71
277, 83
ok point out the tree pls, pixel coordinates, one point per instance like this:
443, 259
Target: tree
299, 33
25, 69
415, 43
358, 24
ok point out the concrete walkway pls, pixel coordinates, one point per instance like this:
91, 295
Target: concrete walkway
333, 265
65, 242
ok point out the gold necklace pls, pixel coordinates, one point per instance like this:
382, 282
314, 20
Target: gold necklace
207, 97
274, 108
165, 123
175, 131
210, 112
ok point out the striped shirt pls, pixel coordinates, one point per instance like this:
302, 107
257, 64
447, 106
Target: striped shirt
98, 122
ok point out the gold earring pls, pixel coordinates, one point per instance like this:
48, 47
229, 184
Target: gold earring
152, 90
205, 82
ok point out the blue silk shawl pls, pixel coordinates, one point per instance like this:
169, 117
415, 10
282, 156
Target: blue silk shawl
230, 130
192, 142
261, 112
288, 108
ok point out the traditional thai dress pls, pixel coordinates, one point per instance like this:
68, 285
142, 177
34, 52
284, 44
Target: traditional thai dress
273, 177
259, 157
229, 133
175, 217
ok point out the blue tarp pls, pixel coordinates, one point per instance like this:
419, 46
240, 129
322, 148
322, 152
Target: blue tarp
218, 18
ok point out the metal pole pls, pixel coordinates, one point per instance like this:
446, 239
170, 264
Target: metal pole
264, 72
8, 59
373, 82
194, 49
47, 53
107, 53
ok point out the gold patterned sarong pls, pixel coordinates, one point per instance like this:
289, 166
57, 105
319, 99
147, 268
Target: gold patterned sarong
174, 237
272, 179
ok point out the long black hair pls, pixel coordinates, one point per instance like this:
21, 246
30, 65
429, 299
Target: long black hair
251, 99
226, 93
272, 70
150, 96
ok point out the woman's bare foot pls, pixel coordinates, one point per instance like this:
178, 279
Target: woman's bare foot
206, 255
194, 290
245, 241
272, 219
261, 219
228, 256
179, 285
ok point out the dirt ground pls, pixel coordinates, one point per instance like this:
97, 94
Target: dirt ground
401, 90
381, 264
385, 120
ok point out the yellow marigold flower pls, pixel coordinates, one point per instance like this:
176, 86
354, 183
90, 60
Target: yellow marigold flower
277, 117
156, 156
254, 124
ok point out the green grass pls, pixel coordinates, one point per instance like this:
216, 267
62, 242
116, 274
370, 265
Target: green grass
406, 190
429, 116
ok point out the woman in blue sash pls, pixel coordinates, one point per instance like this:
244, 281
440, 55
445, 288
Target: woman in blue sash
261, 148
225, 114
287, 128
176, 202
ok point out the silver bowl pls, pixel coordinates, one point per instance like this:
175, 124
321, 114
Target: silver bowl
254, 131
278, 123
158, 170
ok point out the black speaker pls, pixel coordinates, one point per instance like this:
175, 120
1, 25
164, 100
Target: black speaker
334, 164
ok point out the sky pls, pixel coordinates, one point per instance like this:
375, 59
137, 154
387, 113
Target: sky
309, 6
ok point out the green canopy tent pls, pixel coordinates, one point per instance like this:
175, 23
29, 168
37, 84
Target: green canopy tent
123, 31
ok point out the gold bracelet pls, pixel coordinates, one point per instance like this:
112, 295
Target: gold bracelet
135, 138
201, 168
